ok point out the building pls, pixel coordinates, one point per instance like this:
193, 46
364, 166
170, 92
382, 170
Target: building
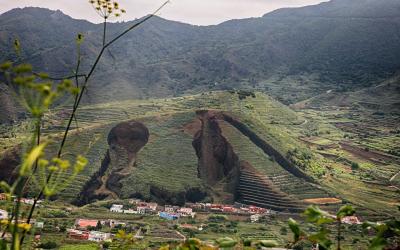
254, 218
351, 220
116, 208
169, 209
228, 209
152, 206
3, 197
141, 209
216, 207
98, 236
130, 211
84, 224
77, 234
134, 201
257, 210
3, 214
39, 224
168, 216
186, 211
114, 223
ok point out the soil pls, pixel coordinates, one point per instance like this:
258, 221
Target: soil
193, 127
218, 164
322, 201
372, 156
9, 162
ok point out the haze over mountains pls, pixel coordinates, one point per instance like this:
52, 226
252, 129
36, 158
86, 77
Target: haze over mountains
293, 54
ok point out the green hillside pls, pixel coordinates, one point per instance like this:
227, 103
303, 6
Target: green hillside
296, 156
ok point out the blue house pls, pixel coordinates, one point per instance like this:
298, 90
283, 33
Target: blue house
168, 216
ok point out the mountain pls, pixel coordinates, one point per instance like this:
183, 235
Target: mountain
293, 54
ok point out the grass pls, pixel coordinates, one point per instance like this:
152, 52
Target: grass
169, 161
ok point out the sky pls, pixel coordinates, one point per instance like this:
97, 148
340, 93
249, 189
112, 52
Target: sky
198, 12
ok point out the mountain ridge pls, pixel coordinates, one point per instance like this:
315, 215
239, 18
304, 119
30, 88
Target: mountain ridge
290, 57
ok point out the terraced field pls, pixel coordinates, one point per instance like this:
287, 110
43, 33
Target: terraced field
263, 181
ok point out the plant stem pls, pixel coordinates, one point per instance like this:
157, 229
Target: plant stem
104, 30
84, 86
339, 234
15, 241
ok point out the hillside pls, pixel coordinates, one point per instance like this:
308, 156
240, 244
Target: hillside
218, 147
293, 54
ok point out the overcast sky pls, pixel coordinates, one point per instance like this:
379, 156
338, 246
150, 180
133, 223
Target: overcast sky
200, 12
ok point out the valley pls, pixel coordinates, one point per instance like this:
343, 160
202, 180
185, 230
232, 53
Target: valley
222, 148
256, 143
281, 130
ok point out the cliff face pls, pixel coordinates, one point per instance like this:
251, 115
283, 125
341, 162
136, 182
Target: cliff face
9, 162
125, 140
218, 164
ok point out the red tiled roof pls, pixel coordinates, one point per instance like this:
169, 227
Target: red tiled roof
86, 223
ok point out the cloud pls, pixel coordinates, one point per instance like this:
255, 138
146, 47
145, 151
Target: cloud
201, 12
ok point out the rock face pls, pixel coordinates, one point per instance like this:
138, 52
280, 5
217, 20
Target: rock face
125, 140
218, 165
129, 137
9, 162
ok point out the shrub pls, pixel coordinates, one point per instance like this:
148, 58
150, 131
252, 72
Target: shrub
48, 245
217, 218
355, 166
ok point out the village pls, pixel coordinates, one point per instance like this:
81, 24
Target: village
182, 218
85, 229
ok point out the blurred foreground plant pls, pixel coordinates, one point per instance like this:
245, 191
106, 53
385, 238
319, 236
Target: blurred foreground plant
323, 221
37, 93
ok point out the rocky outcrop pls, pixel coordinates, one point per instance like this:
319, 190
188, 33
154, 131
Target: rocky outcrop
218, 164
128, 138
125, 140
9, 162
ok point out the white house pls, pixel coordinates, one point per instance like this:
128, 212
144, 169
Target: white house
39, 224
186, 212
141, 210
3, 214
130, 211
254, 218
169, 209
351, 220
152, 206
99, 236
116, 208
114, 223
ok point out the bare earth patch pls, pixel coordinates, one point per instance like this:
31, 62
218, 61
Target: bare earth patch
323, 201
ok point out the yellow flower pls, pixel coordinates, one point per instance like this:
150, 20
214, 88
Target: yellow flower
25, 226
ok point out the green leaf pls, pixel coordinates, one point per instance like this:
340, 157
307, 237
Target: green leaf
23, 68
43, 75
344, 211
5, 187
17, 46
378, 243
6, 65
295, 228
315, 215
322, 238
80, 164
30, 159
80, 38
